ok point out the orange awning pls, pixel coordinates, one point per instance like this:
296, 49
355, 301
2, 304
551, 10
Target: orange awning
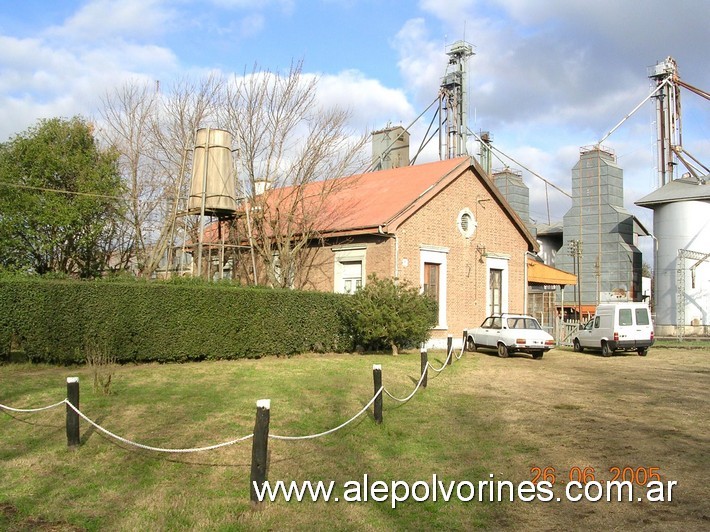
544, 274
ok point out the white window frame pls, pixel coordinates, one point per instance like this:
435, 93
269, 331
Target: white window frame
344, 254
501, 262
472, 223
435, 255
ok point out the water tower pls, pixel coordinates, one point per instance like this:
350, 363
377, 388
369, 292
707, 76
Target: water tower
212, 189
213, 184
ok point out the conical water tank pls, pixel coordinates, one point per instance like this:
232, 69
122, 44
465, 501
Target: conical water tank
212, 173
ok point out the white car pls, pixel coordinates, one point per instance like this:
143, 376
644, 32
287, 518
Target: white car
510, 333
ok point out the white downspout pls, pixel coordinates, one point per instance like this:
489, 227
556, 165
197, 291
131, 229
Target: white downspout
396, 257
525, 284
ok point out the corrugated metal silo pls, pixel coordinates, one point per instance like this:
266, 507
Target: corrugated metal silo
390, 148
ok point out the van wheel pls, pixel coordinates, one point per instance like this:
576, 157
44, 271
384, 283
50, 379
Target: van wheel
605, 349
577, 346
502, 351
537, 355
642, 351
470, 344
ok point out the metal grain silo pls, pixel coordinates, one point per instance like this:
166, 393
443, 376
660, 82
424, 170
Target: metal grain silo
213, 180
681, 223
390, 148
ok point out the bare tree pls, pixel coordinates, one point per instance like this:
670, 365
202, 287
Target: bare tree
154, 134
282, 135
128, 114
288, 140
187, 106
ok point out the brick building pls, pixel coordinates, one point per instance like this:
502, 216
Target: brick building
443, 226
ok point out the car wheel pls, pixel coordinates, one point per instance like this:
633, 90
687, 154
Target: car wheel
605, 349
537, 355
577, 346
502, 351
642, 351
470, 344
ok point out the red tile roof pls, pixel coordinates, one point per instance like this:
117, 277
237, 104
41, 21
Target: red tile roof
364, 203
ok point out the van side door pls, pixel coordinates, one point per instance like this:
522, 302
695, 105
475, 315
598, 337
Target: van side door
589, 335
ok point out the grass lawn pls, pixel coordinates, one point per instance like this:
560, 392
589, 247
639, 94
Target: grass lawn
484, 415
109, 485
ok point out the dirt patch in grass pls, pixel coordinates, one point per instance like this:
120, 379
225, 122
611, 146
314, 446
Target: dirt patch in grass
573, 412
11, 521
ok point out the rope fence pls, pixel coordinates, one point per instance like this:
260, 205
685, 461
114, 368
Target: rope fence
331, 431
148, 447
32, 410
261, 435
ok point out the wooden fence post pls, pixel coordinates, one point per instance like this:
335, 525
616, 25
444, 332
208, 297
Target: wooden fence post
72, 416
425, 366
465, 338
259, 448
449, 344
377, 378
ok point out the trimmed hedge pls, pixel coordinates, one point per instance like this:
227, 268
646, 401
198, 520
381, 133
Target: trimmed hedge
53, 320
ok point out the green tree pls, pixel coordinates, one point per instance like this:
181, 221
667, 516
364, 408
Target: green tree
387, 313
59, 204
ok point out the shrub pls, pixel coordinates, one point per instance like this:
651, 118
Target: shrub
392, 314
139, 321
102, 366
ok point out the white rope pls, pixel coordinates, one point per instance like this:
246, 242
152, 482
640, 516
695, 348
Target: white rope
463, 348
421, 379
156, 449
446, 362
9, 408
311, 436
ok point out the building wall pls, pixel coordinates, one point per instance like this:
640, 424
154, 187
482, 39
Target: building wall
379, 257
434, 231
495, 239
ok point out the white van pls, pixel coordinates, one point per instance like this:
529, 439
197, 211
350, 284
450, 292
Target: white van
617, 326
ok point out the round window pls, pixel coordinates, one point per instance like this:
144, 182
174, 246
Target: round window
467, 223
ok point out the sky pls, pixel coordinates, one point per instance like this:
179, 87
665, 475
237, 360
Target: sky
548, 76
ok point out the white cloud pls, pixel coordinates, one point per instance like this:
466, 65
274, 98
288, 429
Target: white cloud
371, 103
101, 20
422, 60
42, 80
251, 25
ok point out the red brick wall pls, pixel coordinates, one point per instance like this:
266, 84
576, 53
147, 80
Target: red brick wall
435, 224
379, 260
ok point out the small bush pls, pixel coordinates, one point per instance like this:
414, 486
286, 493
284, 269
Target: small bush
386, 313
102, 366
